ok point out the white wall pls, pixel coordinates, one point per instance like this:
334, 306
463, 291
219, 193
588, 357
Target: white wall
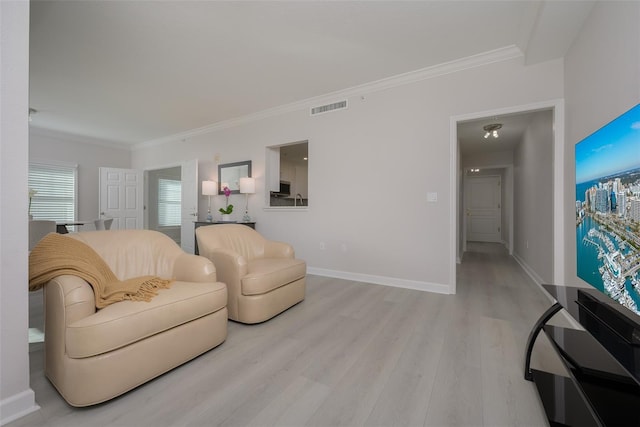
483, 160
533, 197
602, 80
16, 398
88, 153
370, 169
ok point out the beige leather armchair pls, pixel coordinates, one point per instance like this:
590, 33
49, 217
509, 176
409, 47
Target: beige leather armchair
94, 355
263, 277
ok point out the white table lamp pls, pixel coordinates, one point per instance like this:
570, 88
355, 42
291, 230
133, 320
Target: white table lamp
209, 188
247, 186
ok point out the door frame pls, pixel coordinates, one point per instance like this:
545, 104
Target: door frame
145, 172
558, 111
507, 204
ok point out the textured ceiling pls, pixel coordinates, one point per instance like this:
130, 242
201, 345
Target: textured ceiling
136, 71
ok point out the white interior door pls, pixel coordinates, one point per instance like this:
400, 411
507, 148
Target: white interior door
120, 196
484, 208
189, 204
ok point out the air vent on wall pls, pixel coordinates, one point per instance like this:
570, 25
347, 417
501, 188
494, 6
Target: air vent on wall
329, 107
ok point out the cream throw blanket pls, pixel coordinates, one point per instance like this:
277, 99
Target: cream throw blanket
57, 254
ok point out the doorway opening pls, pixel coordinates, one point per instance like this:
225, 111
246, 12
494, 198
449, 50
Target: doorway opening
531, 166
163, 193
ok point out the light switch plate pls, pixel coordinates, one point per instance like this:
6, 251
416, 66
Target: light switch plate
432, 197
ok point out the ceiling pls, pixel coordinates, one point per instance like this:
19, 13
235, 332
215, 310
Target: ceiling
139, 71
471, 133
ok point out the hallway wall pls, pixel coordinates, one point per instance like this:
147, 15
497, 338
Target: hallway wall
602, 80
533, 196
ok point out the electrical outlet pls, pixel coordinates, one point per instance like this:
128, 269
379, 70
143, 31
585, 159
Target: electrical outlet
527, 244
322, 247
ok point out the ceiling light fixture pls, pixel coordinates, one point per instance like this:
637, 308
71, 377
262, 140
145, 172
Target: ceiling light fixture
492, 130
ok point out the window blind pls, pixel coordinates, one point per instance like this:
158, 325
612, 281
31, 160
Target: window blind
54, 192
169, 205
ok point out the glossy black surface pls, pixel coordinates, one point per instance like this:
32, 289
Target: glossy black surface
613, 393
603, 387
562, 401
565, 295
622, 320
615, 327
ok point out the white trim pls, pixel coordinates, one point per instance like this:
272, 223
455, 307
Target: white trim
557, 106
558, 194
17, 406
454, 191
381, 280
530, 271
538, 281
490, 57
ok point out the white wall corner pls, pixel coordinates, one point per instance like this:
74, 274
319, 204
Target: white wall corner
559, 192
17, 406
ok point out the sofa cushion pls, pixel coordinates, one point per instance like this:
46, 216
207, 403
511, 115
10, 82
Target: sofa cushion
267, 274
126, 322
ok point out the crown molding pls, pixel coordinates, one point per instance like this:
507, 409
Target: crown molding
81, 139
486, 58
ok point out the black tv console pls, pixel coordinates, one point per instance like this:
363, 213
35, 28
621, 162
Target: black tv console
603, 386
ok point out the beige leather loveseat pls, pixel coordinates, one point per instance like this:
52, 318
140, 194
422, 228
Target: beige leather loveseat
94, 355
263, 277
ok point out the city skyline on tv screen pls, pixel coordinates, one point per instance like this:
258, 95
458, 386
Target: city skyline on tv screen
608, 209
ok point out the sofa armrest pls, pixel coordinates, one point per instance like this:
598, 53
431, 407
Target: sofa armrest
231, 267
194, 268
273, 249
71, 296
229, 264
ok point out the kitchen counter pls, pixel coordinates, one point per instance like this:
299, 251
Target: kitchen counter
287, 201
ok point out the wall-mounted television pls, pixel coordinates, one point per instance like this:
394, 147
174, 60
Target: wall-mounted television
608, 209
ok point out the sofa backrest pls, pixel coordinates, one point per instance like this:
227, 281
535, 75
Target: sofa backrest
236, 237
132, 253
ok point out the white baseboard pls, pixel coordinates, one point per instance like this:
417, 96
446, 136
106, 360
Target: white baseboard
530, 272
538, 281
381, 280
17, 406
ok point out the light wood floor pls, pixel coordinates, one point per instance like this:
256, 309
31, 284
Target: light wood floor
351, 354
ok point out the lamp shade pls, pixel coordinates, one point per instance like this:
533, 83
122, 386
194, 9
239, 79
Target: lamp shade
247, 185
209, 188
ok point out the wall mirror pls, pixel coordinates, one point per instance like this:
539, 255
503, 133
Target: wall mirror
229, 175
